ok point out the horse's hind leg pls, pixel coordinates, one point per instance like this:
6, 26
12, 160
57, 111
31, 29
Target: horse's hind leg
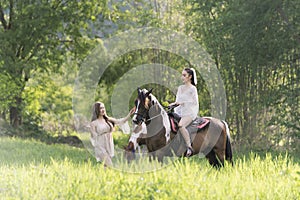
212, 159
220, 155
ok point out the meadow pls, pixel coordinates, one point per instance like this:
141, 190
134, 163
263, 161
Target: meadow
30, 169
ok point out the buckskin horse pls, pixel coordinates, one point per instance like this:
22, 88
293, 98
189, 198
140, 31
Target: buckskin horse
209, 135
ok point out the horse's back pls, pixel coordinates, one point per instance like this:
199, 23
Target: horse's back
215, 122
210, 135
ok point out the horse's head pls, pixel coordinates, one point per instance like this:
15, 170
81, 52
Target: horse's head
142, 104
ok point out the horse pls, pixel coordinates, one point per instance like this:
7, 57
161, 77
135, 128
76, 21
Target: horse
134, 142
211, 139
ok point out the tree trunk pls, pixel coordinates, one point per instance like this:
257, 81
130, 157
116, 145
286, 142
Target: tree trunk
15, 113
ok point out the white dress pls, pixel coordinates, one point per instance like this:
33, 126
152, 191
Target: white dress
102, 138
188, 97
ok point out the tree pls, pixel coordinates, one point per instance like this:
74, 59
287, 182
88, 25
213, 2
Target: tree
256, 48
35, 36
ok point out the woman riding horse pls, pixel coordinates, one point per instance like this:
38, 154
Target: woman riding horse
187, 106
212, 140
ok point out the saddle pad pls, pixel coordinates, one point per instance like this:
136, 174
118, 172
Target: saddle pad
198, 123
173, 126
203, 124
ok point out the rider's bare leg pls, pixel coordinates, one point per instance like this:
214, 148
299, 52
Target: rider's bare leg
183, 123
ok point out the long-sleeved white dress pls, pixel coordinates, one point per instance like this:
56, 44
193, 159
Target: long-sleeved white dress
187, 96
102, 139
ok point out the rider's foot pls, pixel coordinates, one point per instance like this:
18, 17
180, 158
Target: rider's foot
189, 152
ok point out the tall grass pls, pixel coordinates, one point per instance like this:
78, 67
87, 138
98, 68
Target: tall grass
33, 170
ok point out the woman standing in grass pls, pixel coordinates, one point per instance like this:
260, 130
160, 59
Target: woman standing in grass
101, 129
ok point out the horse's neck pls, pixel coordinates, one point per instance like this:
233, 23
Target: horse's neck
160, 120
160, 115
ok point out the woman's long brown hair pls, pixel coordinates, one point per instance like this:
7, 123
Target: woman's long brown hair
96, 113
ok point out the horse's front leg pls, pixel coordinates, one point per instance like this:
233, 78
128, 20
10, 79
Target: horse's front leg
151, 156
155, 156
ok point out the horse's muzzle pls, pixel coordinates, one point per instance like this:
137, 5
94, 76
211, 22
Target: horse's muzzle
138, 122
137, 119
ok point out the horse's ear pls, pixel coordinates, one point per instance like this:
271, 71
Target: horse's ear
149, 92
139, 90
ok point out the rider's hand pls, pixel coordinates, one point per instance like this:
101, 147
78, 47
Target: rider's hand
175, 104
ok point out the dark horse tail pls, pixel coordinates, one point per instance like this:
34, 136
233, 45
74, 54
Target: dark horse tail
228, 149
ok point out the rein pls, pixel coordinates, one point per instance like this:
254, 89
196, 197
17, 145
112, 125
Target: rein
146, 120
154, 116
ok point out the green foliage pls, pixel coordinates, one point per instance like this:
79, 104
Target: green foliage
7, 89
254, 45
49, 102
38, 171
36, 36
120, 139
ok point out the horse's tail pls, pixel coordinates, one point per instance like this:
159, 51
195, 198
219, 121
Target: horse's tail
228, 149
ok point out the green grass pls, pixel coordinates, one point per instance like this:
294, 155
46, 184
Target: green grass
34, 170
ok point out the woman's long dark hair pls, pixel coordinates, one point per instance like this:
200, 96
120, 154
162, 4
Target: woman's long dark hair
96, 113
191, 73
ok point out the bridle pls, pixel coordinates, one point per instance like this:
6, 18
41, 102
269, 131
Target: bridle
155, 116
145, 119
